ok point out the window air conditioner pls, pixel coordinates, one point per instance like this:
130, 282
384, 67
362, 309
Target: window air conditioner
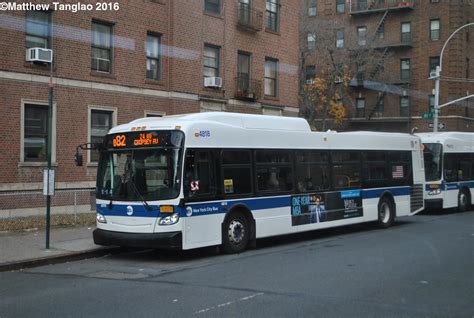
213, 82
37, 54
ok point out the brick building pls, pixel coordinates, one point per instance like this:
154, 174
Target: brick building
144, 58
394, 44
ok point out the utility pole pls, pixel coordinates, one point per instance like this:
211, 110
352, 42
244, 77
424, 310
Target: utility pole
438, 75
436, 102
49, 151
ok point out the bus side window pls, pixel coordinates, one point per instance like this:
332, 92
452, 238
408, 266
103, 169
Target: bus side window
274, 170
312, 170
199, 174
450, 167
237, 172
464, 173
346, 169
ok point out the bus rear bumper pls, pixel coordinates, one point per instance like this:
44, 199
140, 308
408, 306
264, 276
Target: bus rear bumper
169, 240
434, 204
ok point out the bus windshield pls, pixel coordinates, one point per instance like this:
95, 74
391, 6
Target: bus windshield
138, 173
432, 157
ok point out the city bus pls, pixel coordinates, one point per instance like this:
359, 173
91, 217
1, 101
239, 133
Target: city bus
227, 179
449, 165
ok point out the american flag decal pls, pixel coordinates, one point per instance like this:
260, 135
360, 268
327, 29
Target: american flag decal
397, 172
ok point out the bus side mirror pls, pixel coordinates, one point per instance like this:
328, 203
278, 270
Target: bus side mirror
78, 158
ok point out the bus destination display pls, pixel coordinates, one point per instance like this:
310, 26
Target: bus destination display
143, 139
138, 140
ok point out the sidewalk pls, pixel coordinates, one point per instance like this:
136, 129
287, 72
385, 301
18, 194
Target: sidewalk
24, 249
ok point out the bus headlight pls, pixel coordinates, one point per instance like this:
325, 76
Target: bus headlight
170, 220
434, 192
100, 218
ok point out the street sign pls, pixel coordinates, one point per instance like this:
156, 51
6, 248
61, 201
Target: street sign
48, 181
440, 125
427, 115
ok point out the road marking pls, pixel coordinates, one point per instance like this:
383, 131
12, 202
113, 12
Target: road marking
227, 303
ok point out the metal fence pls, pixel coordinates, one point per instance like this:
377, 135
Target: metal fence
27, 209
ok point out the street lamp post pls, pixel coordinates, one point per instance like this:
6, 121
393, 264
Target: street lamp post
437, 77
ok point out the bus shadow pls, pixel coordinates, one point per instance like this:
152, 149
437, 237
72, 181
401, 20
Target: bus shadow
323, 234
163, 255
178, 256
439, 211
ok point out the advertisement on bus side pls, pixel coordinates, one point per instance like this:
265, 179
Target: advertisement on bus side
324, 207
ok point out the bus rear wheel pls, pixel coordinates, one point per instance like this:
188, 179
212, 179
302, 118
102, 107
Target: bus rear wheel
463, 201
386, 213
235, 236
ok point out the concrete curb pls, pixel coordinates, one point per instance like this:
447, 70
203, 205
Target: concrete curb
57, 259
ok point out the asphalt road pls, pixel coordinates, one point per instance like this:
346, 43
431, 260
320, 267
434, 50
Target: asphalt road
421, 267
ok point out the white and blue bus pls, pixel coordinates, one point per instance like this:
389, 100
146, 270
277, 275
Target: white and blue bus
449, 164
228, 179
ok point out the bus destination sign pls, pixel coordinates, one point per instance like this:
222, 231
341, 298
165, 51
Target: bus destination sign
136, 140
144, 139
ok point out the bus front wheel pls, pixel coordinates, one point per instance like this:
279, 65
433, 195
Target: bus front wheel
235, 236
386, 213
463, 200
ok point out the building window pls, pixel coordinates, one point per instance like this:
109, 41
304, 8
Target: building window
434, 30
404, 106
468, 66
340, 6
431, 103
360, 69
312, 8
310, 74
362, 4
379, 108
360, 107
38, 29
273, 15
405, 35
311, 41
405, 69
153, 53
467, 32
212, 6
271, 111
243, 72
244, 12
35, 137
340, 38
381, 31
361, 35
271, 77
434, 62
101, 59
101, 121
211, 60
154, 114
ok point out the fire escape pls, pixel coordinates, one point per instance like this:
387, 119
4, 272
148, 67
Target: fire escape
249, 21
363, 8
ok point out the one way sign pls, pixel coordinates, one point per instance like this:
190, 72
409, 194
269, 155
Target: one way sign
440, 125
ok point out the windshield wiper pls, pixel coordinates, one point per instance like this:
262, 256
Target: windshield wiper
138, 194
